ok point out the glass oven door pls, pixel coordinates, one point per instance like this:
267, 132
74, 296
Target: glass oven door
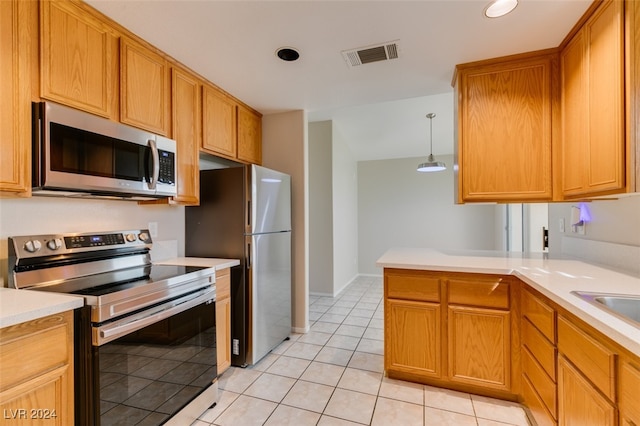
149, 375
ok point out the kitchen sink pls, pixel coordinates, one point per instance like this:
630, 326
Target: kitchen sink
624, 306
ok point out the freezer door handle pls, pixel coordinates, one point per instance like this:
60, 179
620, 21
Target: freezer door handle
249, 213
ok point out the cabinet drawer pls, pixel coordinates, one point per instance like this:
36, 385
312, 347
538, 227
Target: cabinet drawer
629, 387
593, 359
45, 341
541, 382
543, 351
223, 284
487, 292
412, 286
541, 316
535, 404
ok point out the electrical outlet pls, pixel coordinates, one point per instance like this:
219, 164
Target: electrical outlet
153, 229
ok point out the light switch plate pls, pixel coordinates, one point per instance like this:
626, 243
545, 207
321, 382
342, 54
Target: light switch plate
561, 225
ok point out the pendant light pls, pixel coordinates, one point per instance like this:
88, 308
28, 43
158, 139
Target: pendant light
431, 165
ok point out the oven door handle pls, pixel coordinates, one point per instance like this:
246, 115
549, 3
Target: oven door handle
106, 333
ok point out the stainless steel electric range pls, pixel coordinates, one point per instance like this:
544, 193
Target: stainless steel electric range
145, 344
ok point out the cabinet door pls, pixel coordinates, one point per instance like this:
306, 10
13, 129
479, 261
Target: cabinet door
479, 347
412, 338
79, 62
144, 88
18, 27
579, 403
504, 131
593, 139
219, 125
185, 94
629, 387
40, 391
223, 334
249, 136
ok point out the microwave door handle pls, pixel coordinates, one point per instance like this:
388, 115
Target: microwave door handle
156, 164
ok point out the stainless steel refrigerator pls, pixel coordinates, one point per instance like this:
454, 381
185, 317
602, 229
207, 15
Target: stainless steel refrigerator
245, 213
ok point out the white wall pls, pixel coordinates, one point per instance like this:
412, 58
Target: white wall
399, 207
320, 208
345, 213
42, 215
285, 148
612, 237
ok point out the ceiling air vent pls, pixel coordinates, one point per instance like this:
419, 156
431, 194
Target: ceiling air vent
366, 55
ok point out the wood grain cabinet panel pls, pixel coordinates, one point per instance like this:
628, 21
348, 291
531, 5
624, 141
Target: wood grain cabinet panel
480, 347
185, 109
536, 405
408, 285
541, 315
223, 319
543, 351
219, 123
483, 291
79, 59
579, 402
504, 130
249, 136
42, 387
412, 338
592, 104
595, 361
629, 387
18, 30
144, 88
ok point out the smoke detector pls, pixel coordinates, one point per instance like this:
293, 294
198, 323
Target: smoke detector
375, 53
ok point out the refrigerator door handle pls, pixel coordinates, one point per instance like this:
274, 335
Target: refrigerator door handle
249, 213
248, 255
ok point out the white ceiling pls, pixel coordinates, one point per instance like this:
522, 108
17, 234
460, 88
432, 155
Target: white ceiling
379, 108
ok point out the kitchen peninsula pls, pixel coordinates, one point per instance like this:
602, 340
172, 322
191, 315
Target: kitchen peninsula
507, 325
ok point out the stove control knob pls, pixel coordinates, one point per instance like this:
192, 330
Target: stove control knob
131, 237
32, 246
54, 244
144, 237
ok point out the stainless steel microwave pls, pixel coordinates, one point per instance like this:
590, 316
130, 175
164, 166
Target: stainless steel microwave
77, 154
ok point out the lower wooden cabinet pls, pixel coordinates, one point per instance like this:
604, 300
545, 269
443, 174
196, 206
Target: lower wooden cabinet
413, 341
479, 347
36, 371
223, 319
434, 336
629, 387
579, 401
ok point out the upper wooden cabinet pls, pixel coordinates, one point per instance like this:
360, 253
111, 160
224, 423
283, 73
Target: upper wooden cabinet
593, 124
185, 114
230, 129
249, 136
145, 88
504, 128
79, 59
18, 29
219, 122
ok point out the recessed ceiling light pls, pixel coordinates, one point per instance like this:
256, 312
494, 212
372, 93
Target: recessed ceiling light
288, 54
498, 8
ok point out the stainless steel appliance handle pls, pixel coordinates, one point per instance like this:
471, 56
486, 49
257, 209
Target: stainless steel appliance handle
156, 164
107, 333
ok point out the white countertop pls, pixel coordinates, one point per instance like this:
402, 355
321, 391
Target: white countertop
209, 262
18, 306
555, 278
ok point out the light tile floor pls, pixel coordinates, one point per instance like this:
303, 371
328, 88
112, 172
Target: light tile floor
333, 376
